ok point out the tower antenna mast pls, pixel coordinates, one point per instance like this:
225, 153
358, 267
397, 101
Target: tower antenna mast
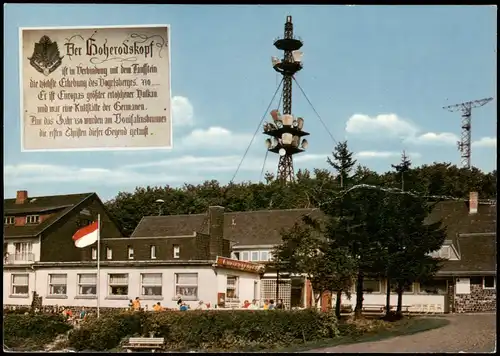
286, 131
464, 145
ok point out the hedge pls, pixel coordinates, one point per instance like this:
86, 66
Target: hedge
32, 331
207, 329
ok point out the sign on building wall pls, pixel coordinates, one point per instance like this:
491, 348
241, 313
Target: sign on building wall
95, 88
239, 265
463, 286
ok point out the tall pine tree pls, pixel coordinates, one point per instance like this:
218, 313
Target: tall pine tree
402, 168
343, 163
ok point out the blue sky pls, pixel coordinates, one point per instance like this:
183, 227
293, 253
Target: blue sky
377, 75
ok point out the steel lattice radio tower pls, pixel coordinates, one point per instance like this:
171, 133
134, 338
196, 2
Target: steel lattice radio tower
286, 132
464, 145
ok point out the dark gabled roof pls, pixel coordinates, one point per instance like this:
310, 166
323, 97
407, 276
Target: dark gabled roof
262, 227
455, 216
171, 225
478, 253
59, 204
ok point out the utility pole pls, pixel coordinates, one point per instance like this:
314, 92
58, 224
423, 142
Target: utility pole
464, 145
285, 130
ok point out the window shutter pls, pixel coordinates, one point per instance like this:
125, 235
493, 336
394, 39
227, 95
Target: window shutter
151, 279
20, 279
57, 279
88, 278
187, 278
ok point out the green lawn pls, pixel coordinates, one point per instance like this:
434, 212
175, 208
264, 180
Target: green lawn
407, 326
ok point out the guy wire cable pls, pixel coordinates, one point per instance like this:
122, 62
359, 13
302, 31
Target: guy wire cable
257, 130
263, 165
267, 151
312, 106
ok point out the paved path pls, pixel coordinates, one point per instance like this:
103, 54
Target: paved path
466, 332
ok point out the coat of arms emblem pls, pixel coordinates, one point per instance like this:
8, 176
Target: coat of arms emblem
46, 57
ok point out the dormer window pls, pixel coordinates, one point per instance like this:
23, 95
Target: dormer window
9, 220
32, 219
177, 251
444, 252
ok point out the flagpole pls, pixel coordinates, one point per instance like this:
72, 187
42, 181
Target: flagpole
98, 287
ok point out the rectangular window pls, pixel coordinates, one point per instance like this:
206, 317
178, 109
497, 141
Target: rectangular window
32, 219
153, 252
23, 251
232, 287
177, 251
94, 253
255, 255
270, 256
489, 282
408, 289
130, 253
434, 254
20, 284
57, 284
83, 222
244, 256
264, 255
118, 284
109, 253
87, 284
371, 285
445, 252
433, 287
186, 285
151, 284
9, 220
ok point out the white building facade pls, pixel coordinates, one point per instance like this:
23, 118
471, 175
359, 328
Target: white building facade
77, 285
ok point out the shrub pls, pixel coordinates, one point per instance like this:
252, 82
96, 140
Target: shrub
32, 331
106, 332
212, 329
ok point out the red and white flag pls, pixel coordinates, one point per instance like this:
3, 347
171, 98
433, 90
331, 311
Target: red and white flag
87, 235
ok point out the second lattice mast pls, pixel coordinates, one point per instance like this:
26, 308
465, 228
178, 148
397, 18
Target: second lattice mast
285, 130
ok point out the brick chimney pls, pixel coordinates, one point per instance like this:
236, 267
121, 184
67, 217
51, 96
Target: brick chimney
22, 196
216, 230
473, 202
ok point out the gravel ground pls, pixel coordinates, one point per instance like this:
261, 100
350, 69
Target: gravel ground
466, 333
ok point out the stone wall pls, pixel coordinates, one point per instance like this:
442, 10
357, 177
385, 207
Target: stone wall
479, 300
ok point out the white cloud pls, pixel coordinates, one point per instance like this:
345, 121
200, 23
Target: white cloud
311, 157
485, 142
385, 154
390, 125
384, 125
178, 170
207, 163
182, 111
215, 137
443, 138
220, 163
27, 173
